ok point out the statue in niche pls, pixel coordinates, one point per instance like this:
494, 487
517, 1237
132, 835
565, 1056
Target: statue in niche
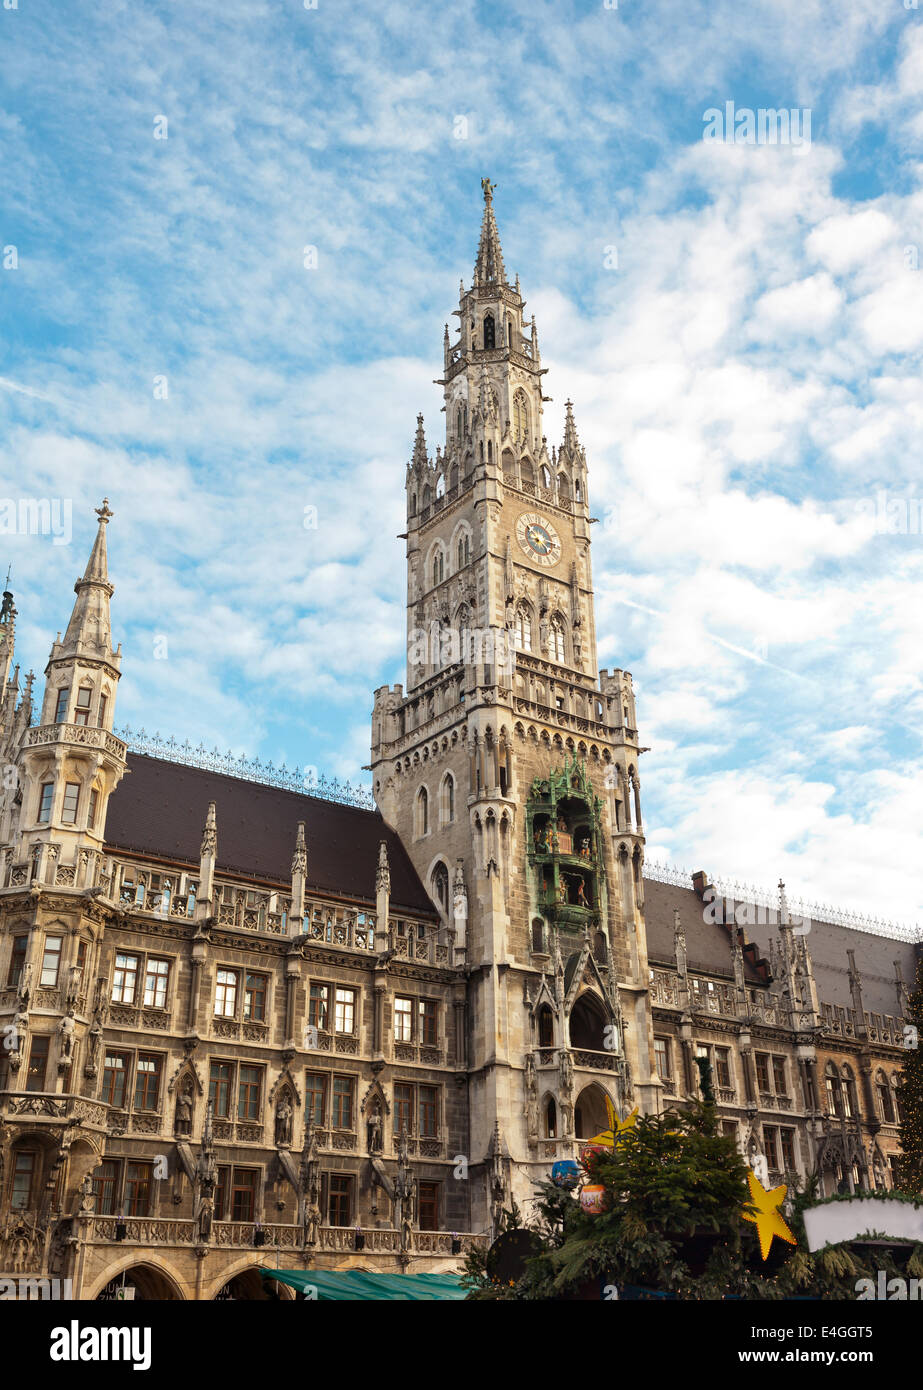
373, 1130
284, 1122
183, 1120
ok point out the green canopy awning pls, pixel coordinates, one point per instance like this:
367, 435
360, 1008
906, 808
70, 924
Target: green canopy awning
342, 1285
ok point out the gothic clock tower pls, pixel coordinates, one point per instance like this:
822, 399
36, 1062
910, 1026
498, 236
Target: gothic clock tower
509, 765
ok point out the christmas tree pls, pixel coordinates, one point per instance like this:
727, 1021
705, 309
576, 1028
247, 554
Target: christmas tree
910, 1167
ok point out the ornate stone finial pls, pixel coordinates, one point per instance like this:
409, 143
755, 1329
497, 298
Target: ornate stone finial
487, 188
783, 905
300, 857
104, 513
383, 876
210, 833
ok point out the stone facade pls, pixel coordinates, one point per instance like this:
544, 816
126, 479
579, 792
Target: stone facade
247, 1026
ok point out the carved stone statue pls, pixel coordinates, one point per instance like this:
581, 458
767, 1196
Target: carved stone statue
284, 1122
566, 1068
183, 1119
205, 1207
66, 1029
373, 1130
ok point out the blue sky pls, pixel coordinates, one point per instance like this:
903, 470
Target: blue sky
746, 381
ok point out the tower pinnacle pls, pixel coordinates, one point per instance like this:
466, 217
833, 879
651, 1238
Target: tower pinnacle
89, 621
489, 268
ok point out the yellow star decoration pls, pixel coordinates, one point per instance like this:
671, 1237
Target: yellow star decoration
610, 1138
768, 1218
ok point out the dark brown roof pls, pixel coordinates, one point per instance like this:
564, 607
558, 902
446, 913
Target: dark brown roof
708, 944
159, 809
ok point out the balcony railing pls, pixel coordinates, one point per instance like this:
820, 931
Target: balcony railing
80, 734
168, 1231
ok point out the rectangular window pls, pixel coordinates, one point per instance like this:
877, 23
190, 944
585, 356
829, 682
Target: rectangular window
255, 998
156, 978
17, 960
45, 800
403, 1108
248, 1093
94, 806
115, 1074
69, 804
317, 1007
23, 1177
82, 707
344, 1018
788, 1149
222, 1189
662, 1058
403, 1020
342, 1102
762, 1071
778, 1076
226, 994
147, 1082
428, 1022
103, 704
723, 1067
316, 1097
340, 1205
219, 1089
428, 1112
243, 1194
429, 1206
38, 1063
771, 1146
51, 961
124, 979
60, 713
137, 1189
106, 1187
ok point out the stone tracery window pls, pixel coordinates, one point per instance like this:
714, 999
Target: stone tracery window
520, 416
556, 638
523, 628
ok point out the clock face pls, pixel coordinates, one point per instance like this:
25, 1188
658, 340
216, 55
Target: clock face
538, 538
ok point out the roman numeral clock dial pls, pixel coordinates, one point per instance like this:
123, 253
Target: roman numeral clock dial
538, 539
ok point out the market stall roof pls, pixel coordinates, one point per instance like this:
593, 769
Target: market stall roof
343, 1285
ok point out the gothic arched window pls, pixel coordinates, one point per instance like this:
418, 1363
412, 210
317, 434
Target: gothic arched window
438, 568
459, 422
832, 1081
464, 550
545, 1027
884, 1097
490, 331
551, 1119
448, 798
422, 812
520, 416
523, 630
557, 638
440, 886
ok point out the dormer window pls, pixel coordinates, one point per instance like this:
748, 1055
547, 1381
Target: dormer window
82, 709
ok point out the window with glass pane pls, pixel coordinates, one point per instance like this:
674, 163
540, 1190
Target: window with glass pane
51, 961
106, 1186
69, 804
723, 1067
345, 1011
248, 1093
317, 1007
220, 1078
24, 1166
226, 994
315, 1097
147, 1082
17, 960
60, 713
255, 998
428, 1120
428, 1206
137, 1189
115, 1073
342, 1102
38, 1064
403, 1108
103, 702
403, 1020
243, 1194
156, 977
82, 707
788, 1149
778, 1076
94, 806
222, 1191
340, 1204
428, 1022
44, 805
662, 1057
762, 1071
124, 979
770, 1146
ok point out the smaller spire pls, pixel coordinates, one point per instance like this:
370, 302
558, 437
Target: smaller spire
571, 443
419, 445
300, 857
210, 833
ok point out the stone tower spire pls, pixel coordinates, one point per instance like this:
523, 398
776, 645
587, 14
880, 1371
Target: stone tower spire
489, 268
89, 626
